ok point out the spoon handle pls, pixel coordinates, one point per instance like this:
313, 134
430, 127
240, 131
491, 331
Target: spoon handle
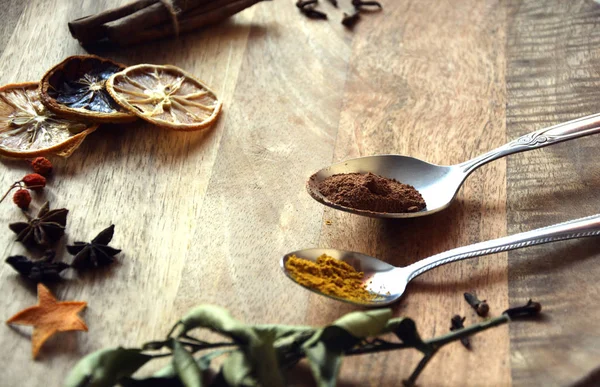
578, 228
540, 138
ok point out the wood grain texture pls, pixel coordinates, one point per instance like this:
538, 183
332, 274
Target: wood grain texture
553, 75
433, 89
205, 217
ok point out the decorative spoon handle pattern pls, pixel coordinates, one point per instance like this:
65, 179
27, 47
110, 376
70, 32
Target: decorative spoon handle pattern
578, 228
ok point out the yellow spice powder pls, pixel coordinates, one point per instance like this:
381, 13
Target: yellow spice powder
330, 276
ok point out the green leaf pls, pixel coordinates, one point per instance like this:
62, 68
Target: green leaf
324, 363
166, 372
264, 357
184, 364
237, 371
217, 319
349, 329
105, 367
151, 382
204, 361
326, 347
256, 344
283, 331
364, 324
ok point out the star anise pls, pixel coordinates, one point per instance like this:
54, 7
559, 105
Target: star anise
47, 228
44, 270
96, 253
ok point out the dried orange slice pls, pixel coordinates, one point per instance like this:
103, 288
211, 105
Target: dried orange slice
76, 88
166, 96
28, 129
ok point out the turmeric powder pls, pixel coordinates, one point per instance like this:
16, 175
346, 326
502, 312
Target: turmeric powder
329, 276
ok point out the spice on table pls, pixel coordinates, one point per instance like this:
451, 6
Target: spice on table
166, 96
34, 181
329, 276
458, 323
48, 317
150, 20
28, 129
481, 307
47, 228
41, 165
349, 20
307, 7
530, 309
359, 4
371, 192
22, 198
76, 88
97, 253
43, 270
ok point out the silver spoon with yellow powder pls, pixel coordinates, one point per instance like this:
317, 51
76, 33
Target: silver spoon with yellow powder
385, 283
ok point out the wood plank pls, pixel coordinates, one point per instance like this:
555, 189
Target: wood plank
280, 126
10, 13
426, 79
553, 75
149, 182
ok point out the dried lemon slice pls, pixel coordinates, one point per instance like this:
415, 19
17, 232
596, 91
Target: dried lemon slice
28, 129
76, 88
166, 96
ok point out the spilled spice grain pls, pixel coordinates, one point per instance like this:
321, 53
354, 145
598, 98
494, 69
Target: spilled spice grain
371, 192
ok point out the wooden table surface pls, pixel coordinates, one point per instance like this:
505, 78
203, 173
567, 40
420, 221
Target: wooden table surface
205, 217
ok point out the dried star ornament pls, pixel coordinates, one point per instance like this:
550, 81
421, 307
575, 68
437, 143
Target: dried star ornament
96, 253
48, 317
47, 228
44, 270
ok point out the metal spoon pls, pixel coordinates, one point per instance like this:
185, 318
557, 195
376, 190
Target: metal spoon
389, 282
439, 184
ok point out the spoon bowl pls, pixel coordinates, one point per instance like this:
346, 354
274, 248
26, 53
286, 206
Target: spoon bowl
439, 184
388, 282
381, 279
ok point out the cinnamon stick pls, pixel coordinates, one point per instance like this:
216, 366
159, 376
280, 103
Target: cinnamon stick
145, 20
153, 15
89, 28
211, 14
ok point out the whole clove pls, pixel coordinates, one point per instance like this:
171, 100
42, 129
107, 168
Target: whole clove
350, 20
359, 4
301, 4
307, 7
481, 307
458, 323
528, 310
314, 14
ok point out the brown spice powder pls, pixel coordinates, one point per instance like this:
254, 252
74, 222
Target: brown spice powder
371, 192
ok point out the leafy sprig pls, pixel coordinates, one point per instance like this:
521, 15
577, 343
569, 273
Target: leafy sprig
258, 355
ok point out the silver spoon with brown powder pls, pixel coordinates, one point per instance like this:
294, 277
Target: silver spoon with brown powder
437, 185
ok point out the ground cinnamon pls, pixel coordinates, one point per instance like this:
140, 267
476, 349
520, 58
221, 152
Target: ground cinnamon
371, 192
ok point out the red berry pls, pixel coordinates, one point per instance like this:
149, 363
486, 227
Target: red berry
34, 181
41, 165
22, 198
